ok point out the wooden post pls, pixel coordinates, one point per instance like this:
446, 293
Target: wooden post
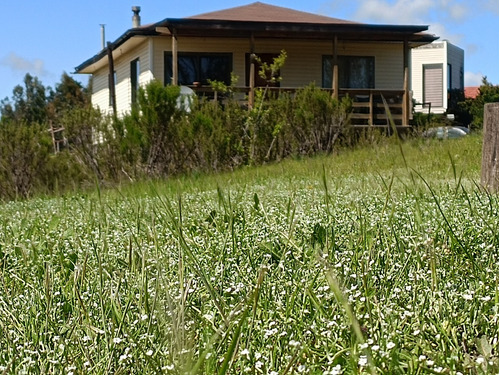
251, 78
112, 90
335, 72
406, 95
370, 120
175, 69
489, 167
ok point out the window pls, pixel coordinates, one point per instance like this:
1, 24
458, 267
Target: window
200, 67
135, 71
433, 84
355, 72
450, 86
267, 58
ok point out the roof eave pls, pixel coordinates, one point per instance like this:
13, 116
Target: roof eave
85, 67
200, 27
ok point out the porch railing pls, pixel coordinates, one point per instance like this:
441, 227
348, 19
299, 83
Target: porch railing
368, 105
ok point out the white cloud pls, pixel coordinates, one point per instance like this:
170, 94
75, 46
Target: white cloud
411, 11
489, 5
19, 64
400, 11
473, 78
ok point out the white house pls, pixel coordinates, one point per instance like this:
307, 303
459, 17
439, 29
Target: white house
436, 69
364, 61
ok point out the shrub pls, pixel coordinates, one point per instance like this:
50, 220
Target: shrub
24, 151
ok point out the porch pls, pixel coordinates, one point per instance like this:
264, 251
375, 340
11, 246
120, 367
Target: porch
368, 104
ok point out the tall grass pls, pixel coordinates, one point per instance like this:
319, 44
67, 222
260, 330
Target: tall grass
350, 263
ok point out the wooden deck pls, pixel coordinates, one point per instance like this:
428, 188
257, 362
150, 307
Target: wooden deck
368, 104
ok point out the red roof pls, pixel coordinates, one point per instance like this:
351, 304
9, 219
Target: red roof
471, 92
260, 12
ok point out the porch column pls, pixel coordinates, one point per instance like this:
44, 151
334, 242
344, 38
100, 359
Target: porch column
251, 78
175, 70
111, 78
335, 72
406, 94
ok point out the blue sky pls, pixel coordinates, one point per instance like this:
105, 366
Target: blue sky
47, 38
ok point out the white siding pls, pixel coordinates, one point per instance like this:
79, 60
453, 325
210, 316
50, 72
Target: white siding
100, 90
303, 64
441, 52
304, 61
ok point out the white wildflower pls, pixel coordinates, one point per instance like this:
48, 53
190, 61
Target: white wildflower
363, 360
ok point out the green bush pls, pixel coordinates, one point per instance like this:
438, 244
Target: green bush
24, 151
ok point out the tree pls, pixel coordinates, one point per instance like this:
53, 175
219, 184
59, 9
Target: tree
28, 103
488, 93
69, 94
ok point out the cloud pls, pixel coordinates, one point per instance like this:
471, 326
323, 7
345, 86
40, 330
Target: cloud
438, 14
489, 5
473, 78
410, 11
19, 64
400, 11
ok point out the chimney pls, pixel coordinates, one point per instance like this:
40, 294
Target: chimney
103, 38
136, 19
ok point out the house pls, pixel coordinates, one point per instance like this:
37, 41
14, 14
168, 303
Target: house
436, 69
364, 61
471, 92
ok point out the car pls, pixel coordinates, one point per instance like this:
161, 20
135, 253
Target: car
446, 132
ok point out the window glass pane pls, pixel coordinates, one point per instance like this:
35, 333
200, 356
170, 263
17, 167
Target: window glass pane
354, 72
194, 67
327, 72
135, 71
168, 68
215, 68
188, 72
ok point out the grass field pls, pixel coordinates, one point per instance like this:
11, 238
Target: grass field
379, 260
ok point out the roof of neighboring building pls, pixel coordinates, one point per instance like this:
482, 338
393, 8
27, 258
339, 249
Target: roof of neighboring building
261, 20
261, 12
471, 92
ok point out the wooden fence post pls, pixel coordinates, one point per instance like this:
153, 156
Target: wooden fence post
489, 167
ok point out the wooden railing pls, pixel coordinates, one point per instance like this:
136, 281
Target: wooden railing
369, 108
368, 104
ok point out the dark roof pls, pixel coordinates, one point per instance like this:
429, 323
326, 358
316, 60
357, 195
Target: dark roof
260, 12
269, 21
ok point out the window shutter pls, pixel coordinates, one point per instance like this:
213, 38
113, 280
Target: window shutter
433, 84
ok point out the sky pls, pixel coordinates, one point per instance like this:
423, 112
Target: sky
47, 38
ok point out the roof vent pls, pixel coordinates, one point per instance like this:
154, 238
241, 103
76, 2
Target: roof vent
136, 19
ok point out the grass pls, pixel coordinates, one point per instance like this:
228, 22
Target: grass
353, 263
